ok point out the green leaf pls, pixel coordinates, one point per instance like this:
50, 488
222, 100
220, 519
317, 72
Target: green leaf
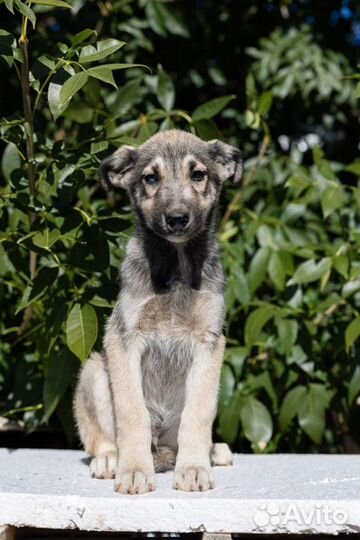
165, 90
287, 331
258, 268
172, 21
310, 271
43, 280
155, 17
236, 357
297, 356
6, 266
354, 386
240, 286
331, 200
323, 165
352, 333
207, 130
80, 112
311, 413
46, 238
7, 43
9, 5
82, 36
299, 182
354, 167
265, 103
256, 420
98, 147
71, 86
26, 11
252, 119
263, 381
290, 406
125, 98
276, 271
103, 48
356, 194
103, 73
211, 108
10, 160
52, 3
227, 384
57, 380
341, 264
81, 330
55, 105
229, 419
256, 321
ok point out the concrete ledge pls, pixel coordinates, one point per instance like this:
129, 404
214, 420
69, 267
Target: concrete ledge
260, 494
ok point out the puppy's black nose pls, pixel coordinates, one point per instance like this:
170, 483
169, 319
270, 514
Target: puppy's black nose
176, 222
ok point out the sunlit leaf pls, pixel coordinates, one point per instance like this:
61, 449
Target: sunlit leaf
46, 238
256, 420
310, 271
103, 48
52, 3
211, 108
352, 332
72, 86
290, 406
10, 160
256, 321
81, 330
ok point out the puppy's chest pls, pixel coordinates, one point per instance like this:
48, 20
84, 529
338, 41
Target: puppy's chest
180, 314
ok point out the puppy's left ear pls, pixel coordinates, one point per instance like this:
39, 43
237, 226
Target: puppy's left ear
228, 160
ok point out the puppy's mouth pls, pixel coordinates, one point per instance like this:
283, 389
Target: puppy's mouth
174, 236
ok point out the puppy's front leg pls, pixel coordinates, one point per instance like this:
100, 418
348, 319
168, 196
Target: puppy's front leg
135, 469
193, 468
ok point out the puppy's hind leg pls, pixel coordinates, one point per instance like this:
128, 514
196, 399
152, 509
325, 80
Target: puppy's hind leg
221, 455
94, 416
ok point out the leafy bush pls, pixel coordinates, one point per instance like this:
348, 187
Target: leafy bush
289, 235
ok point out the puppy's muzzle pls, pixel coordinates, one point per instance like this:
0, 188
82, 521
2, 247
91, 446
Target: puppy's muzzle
177, 222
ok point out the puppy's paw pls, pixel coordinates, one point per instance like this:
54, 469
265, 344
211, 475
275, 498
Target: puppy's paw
134, 481
221, 455
193, 478
103, 465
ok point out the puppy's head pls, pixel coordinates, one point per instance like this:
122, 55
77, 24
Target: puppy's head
174, 180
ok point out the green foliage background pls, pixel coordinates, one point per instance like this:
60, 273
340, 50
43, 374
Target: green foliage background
76, 83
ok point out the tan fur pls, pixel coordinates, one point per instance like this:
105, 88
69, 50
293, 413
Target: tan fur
149, 400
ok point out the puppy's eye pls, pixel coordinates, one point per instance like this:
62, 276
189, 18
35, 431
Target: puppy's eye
151, 179
197, 176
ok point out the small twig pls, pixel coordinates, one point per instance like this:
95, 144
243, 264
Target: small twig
30, 154
233, 205
320, 317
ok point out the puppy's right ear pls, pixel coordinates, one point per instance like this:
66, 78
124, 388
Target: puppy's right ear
116, 171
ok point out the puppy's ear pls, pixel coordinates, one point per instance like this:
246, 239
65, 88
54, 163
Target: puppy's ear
116, 170
228, 160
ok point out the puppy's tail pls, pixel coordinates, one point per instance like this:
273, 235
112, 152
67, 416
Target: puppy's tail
164, 458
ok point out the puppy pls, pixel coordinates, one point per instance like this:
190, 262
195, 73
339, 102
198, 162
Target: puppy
148, 401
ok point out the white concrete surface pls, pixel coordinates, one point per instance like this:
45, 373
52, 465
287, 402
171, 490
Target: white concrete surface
259, 494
